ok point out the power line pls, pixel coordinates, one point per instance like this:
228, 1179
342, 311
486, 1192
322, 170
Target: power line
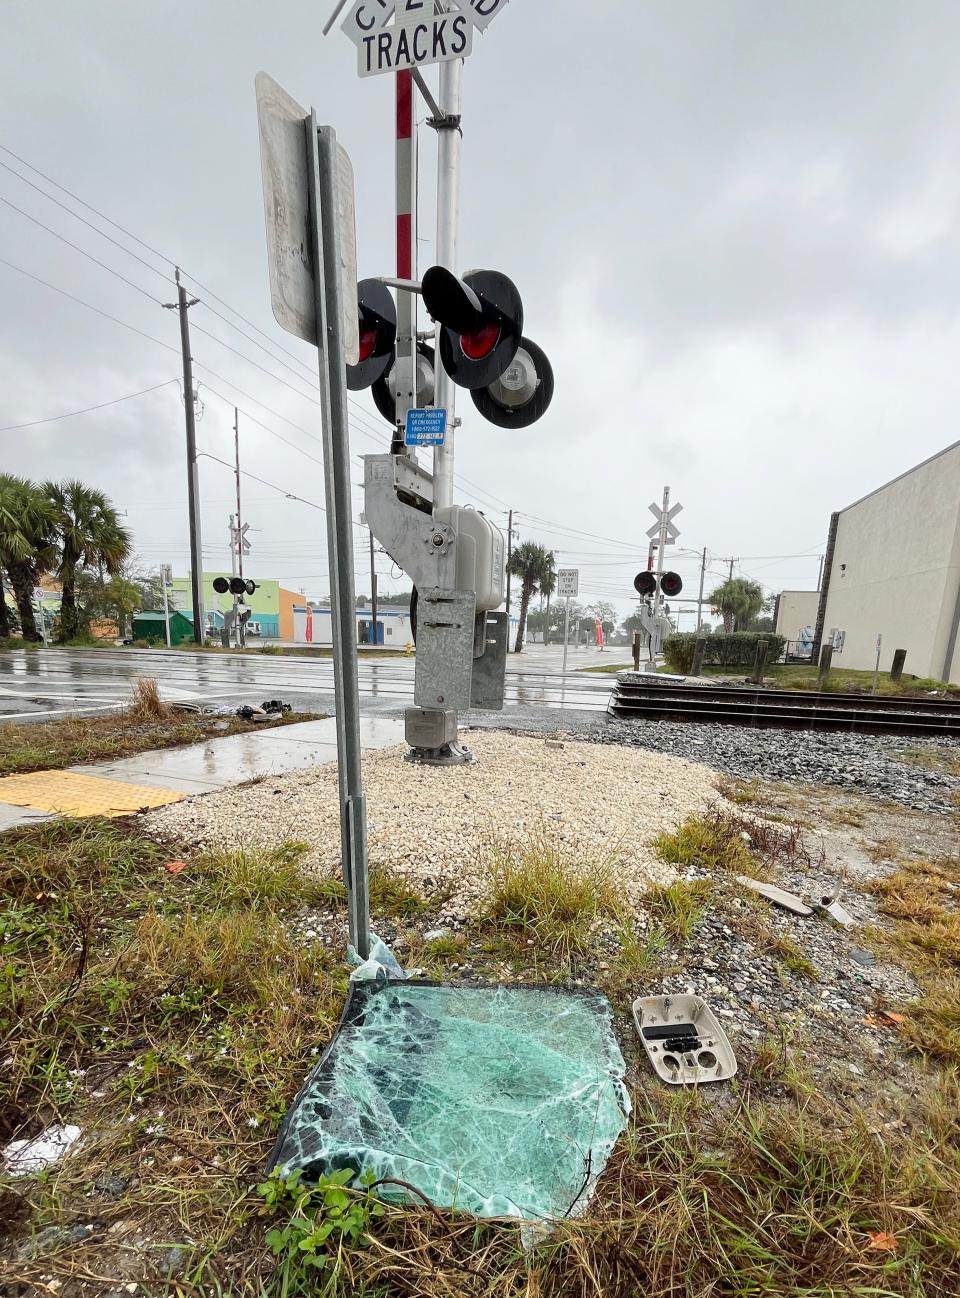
77, 217
82, 251
366, 429
89, 305
71, 414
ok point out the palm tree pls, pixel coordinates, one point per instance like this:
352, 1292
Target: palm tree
739, 602
89, 534
548, 585
533, 565
26, 546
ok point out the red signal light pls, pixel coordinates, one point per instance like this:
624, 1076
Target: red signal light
368, 341
477, 345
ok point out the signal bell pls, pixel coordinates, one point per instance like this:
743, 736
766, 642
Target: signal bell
384, 391
378, 334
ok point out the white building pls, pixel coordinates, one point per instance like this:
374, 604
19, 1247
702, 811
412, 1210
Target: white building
892, 569
313, 626
797, 615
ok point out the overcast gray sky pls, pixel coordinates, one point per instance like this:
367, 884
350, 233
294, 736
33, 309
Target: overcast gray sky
733, 223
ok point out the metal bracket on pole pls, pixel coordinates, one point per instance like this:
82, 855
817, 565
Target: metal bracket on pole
425, 91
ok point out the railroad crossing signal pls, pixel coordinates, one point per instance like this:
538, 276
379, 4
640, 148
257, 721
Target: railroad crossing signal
645, 583
377, 319
482, 346
234, 585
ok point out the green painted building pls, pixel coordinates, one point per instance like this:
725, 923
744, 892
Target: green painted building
149, 627
264, 603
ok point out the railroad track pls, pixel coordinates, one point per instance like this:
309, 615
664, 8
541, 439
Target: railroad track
784, 709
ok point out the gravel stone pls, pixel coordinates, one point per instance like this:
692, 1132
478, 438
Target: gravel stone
870, 764
433, 825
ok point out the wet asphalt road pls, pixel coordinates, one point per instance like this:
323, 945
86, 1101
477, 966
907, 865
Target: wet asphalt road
47, 683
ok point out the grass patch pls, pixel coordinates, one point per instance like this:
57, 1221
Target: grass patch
678, 907
921, 898
724, 842
800, 676
930, 758
173, 1017
537, 894
48, 745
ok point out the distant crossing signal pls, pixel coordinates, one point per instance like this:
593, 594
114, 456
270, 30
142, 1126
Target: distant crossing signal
645, 583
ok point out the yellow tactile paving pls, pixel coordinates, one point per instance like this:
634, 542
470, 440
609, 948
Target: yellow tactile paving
73, 794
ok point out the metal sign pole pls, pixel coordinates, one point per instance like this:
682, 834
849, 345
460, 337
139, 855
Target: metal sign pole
566, 632
658, 603
38, 616
322, 172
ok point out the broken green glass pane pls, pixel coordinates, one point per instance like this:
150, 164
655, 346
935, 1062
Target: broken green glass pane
495, 1100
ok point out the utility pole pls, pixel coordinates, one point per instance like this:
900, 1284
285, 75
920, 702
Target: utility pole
703, 572
730, 574
241, 626
820, 574
182, 305
509, 555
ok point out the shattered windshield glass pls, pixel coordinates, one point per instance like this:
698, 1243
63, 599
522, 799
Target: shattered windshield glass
495, 1100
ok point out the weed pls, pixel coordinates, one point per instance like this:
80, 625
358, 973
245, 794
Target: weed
882, 849
744, 793
268, 878
392, 895
678, 907
536, 893
639, 956
846, 814
932, 758
323, 1221
145, 701
792, 958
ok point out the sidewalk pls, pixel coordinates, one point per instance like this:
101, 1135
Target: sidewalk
153, 779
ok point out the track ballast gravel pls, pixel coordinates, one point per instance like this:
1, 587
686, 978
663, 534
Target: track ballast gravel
868, 764
435, 826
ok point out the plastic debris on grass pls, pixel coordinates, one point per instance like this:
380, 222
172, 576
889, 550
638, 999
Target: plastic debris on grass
24, 1157
499, 1100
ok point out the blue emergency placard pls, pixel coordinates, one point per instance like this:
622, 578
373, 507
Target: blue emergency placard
425, 428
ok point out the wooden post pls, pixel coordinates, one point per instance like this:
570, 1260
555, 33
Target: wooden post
760, 661
826, 659
899, 658
636, 651
699, 649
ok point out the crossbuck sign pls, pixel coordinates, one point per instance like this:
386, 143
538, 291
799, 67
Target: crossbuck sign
417, 35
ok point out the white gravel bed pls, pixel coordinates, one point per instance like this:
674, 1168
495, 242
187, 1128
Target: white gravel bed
435, 826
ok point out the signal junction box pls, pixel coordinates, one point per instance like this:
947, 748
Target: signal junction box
455, 558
